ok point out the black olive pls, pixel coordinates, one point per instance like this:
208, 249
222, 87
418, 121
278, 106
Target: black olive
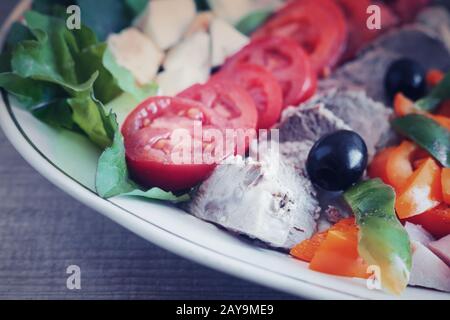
408, 77
337, 161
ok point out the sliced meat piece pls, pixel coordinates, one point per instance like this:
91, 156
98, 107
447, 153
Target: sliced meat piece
442, 249
419, 43
428, 270
368, 71
295, 154
363, 115
437, 19
264, 200
419, 234
308, 122
300, 128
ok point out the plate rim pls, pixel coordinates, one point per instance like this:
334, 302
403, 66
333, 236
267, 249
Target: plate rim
157, 235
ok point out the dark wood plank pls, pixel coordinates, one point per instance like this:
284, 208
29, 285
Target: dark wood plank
42, 231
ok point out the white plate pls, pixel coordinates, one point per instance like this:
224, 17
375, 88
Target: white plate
69, 161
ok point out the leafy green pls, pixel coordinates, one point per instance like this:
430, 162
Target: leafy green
64, 77
30, 93
56, 8
426, 133
57, 114
383, 241
439, 93
54, 71
112, 177
91, 60
253, 21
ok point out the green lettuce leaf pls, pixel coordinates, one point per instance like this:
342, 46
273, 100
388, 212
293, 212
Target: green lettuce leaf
56, 72
112, 177
89, 61
30, 93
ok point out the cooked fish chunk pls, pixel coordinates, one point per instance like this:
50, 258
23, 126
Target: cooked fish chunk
264, 200
136, 53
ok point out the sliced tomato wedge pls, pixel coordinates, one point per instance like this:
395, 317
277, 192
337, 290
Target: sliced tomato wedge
153, 152
318, 26
286, 61
262, 87
232, 107
436, 221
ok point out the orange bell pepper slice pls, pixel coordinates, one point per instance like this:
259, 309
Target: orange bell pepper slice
434, 77
421, 192
338, 255
334, 251
445, 181
306, 250
378, 167
399, 167
404, 106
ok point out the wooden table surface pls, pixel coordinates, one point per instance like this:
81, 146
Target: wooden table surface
43, 230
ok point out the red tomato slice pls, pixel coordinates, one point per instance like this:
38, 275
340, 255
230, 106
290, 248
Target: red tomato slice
436, 221
319, 27
359, 35
262, 87
232, 107
150, 146
286, 61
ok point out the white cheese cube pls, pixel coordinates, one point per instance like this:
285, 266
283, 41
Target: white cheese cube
136, 53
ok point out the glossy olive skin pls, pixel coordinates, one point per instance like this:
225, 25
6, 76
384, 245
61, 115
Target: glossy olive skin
406, 76
337, 161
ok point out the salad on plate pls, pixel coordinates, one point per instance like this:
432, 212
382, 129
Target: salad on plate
318, 128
